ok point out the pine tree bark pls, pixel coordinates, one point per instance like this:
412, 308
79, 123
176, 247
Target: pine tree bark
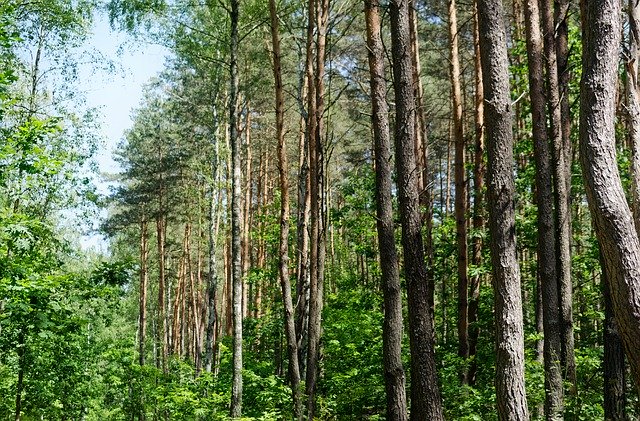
460, 203
561, 185
422, 157
392, 326
510, 390
613, 363
236, 211
318, 237
552, 347
613, 219
283, 168
425, 393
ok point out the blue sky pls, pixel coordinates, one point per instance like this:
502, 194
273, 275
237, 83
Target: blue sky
117, 93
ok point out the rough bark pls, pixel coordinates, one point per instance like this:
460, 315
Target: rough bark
552, 347
304, 275
392, 326
460, 203
425, 393
283, 167
510, 390
615, 229
422, 157
316, 155
613, 363
561, 185
236, 187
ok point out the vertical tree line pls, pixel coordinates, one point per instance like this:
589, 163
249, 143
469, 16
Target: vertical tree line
254, 282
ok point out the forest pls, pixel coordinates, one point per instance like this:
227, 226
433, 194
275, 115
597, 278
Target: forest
324, 209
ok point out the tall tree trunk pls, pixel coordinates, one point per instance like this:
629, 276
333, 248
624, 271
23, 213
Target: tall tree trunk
425, 393
478, 206
305, 270
561, 184
461, 192
613, 219
613, 363
633, 105
144, 280
283, 168
236, 215
212, 275
163, 334
510, 390
304, 205
246, 216
422, 157
552, 348
392, 327
318, 232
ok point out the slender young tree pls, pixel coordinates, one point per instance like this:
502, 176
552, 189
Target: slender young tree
144, 280
318, 233
478, 205
552, 347
460, 203
425, 392
283, 167
613, 219
392, 327
212, 275
561, 189
510, 390
236, 203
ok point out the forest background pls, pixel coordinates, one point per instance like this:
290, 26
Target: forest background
325, 211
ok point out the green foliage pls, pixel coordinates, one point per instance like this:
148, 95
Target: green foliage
353, 353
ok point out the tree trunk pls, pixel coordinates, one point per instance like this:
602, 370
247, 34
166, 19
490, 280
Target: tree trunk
318, 233
163, 335
561, 184
613, 363
633, 106
422, 158
246, 216
461, 193
392, 327
552, 347
510, 390
425, 394
283, 168
304, 275
613, 219
144, 280
212, 276
478, 209
236, 215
